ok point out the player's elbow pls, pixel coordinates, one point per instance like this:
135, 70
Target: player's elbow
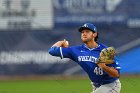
115, 75
51, 51
54, 51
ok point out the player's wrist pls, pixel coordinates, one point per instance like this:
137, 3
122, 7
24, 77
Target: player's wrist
62, 43
102, 65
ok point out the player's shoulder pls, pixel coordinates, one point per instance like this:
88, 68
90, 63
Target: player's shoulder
102, 46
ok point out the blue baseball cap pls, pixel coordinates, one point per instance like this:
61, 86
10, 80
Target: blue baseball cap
88, 26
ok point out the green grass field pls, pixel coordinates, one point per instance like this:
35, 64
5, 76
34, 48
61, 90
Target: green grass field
129, 85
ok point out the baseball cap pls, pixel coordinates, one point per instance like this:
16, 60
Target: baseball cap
88, 26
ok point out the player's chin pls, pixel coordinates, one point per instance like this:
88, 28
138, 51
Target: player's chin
84, 40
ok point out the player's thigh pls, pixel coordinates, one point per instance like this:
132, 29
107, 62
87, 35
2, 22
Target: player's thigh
114, 87
102, 89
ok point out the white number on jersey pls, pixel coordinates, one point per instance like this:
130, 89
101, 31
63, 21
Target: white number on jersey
98, 71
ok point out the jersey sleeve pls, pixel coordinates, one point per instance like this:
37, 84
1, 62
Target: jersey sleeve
60, 52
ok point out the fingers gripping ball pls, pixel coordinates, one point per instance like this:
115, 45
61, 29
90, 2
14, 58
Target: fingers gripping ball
65, 43
106, 56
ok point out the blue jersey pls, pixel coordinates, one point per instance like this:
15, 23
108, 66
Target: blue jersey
86, 58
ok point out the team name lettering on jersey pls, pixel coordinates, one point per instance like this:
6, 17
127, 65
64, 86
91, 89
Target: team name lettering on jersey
87, 58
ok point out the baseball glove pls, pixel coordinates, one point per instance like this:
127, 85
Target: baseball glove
106, 56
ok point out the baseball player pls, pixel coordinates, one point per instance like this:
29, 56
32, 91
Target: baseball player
96, 59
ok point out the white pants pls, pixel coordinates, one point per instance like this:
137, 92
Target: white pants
113, 87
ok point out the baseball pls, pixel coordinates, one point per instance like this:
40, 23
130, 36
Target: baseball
66, 43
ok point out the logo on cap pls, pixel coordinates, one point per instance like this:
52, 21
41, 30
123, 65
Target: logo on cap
85, 25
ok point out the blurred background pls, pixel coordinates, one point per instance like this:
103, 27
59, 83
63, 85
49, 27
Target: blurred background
28, 28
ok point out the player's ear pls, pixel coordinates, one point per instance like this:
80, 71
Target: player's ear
94, 34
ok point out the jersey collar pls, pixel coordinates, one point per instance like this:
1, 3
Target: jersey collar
90, 48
